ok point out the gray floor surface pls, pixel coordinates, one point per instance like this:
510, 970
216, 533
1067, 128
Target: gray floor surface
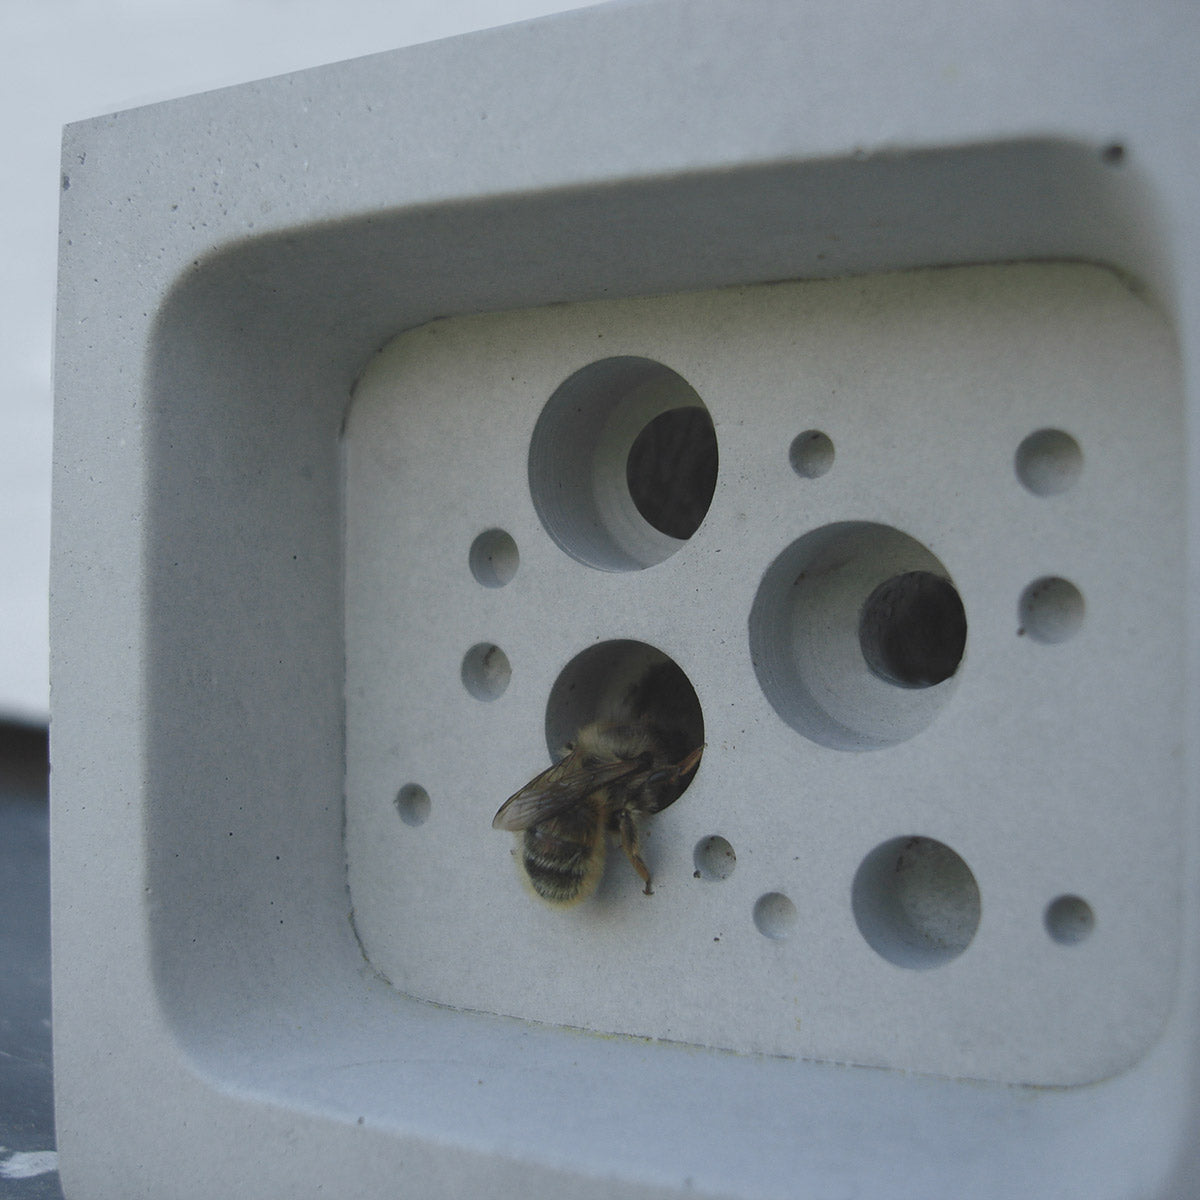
26, 1083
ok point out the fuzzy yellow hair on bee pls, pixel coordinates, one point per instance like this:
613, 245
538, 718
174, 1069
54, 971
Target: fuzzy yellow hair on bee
613, 775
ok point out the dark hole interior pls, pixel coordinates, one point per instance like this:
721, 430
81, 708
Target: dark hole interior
913, 630
672, 470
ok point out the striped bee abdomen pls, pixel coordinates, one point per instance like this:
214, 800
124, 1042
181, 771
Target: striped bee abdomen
564, 856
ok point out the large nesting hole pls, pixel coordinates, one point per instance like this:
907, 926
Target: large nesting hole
916, 902
857, 634
913, 630
623, 463
623, 681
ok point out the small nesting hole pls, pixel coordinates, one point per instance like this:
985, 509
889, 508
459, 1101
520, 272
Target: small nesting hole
714, 858
1051, 610
413, 804
1048, 462
493, 558
774, 916
811, 454
486, 671
1069, 920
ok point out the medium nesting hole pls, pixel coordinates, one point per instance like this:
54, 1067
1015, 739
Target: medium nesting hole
621, 681
916, 902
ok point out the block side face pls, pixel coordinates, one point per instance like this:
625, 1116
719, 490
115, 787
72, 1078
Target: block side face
1048, 766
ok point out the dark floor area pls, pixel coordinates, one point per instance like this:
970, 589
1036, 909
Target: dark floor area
26, 1084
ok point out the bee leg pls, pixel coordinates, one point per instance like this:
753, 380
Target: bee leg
627, 828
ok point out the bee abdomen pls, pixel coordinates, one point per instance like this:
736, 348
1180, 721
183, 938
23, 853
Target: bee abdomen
564, 861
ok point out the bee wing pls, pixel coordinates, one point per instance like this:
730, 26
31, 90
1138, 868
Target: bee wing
558, 788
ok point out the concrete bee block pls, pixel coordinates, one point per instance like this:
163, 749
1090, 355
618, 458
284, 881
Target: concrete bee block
351, 368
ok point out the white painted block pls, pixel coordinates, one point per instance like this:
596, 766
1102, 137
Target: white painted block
350, 368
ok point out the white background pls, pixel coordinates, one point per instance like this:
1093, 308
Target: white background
64, 60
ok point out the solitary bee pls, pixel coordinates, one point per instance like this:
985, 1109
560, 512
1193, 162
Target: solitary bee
612, 775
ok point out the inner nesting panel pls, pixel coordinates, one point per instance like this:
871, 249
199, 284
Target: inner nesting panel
880, 534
